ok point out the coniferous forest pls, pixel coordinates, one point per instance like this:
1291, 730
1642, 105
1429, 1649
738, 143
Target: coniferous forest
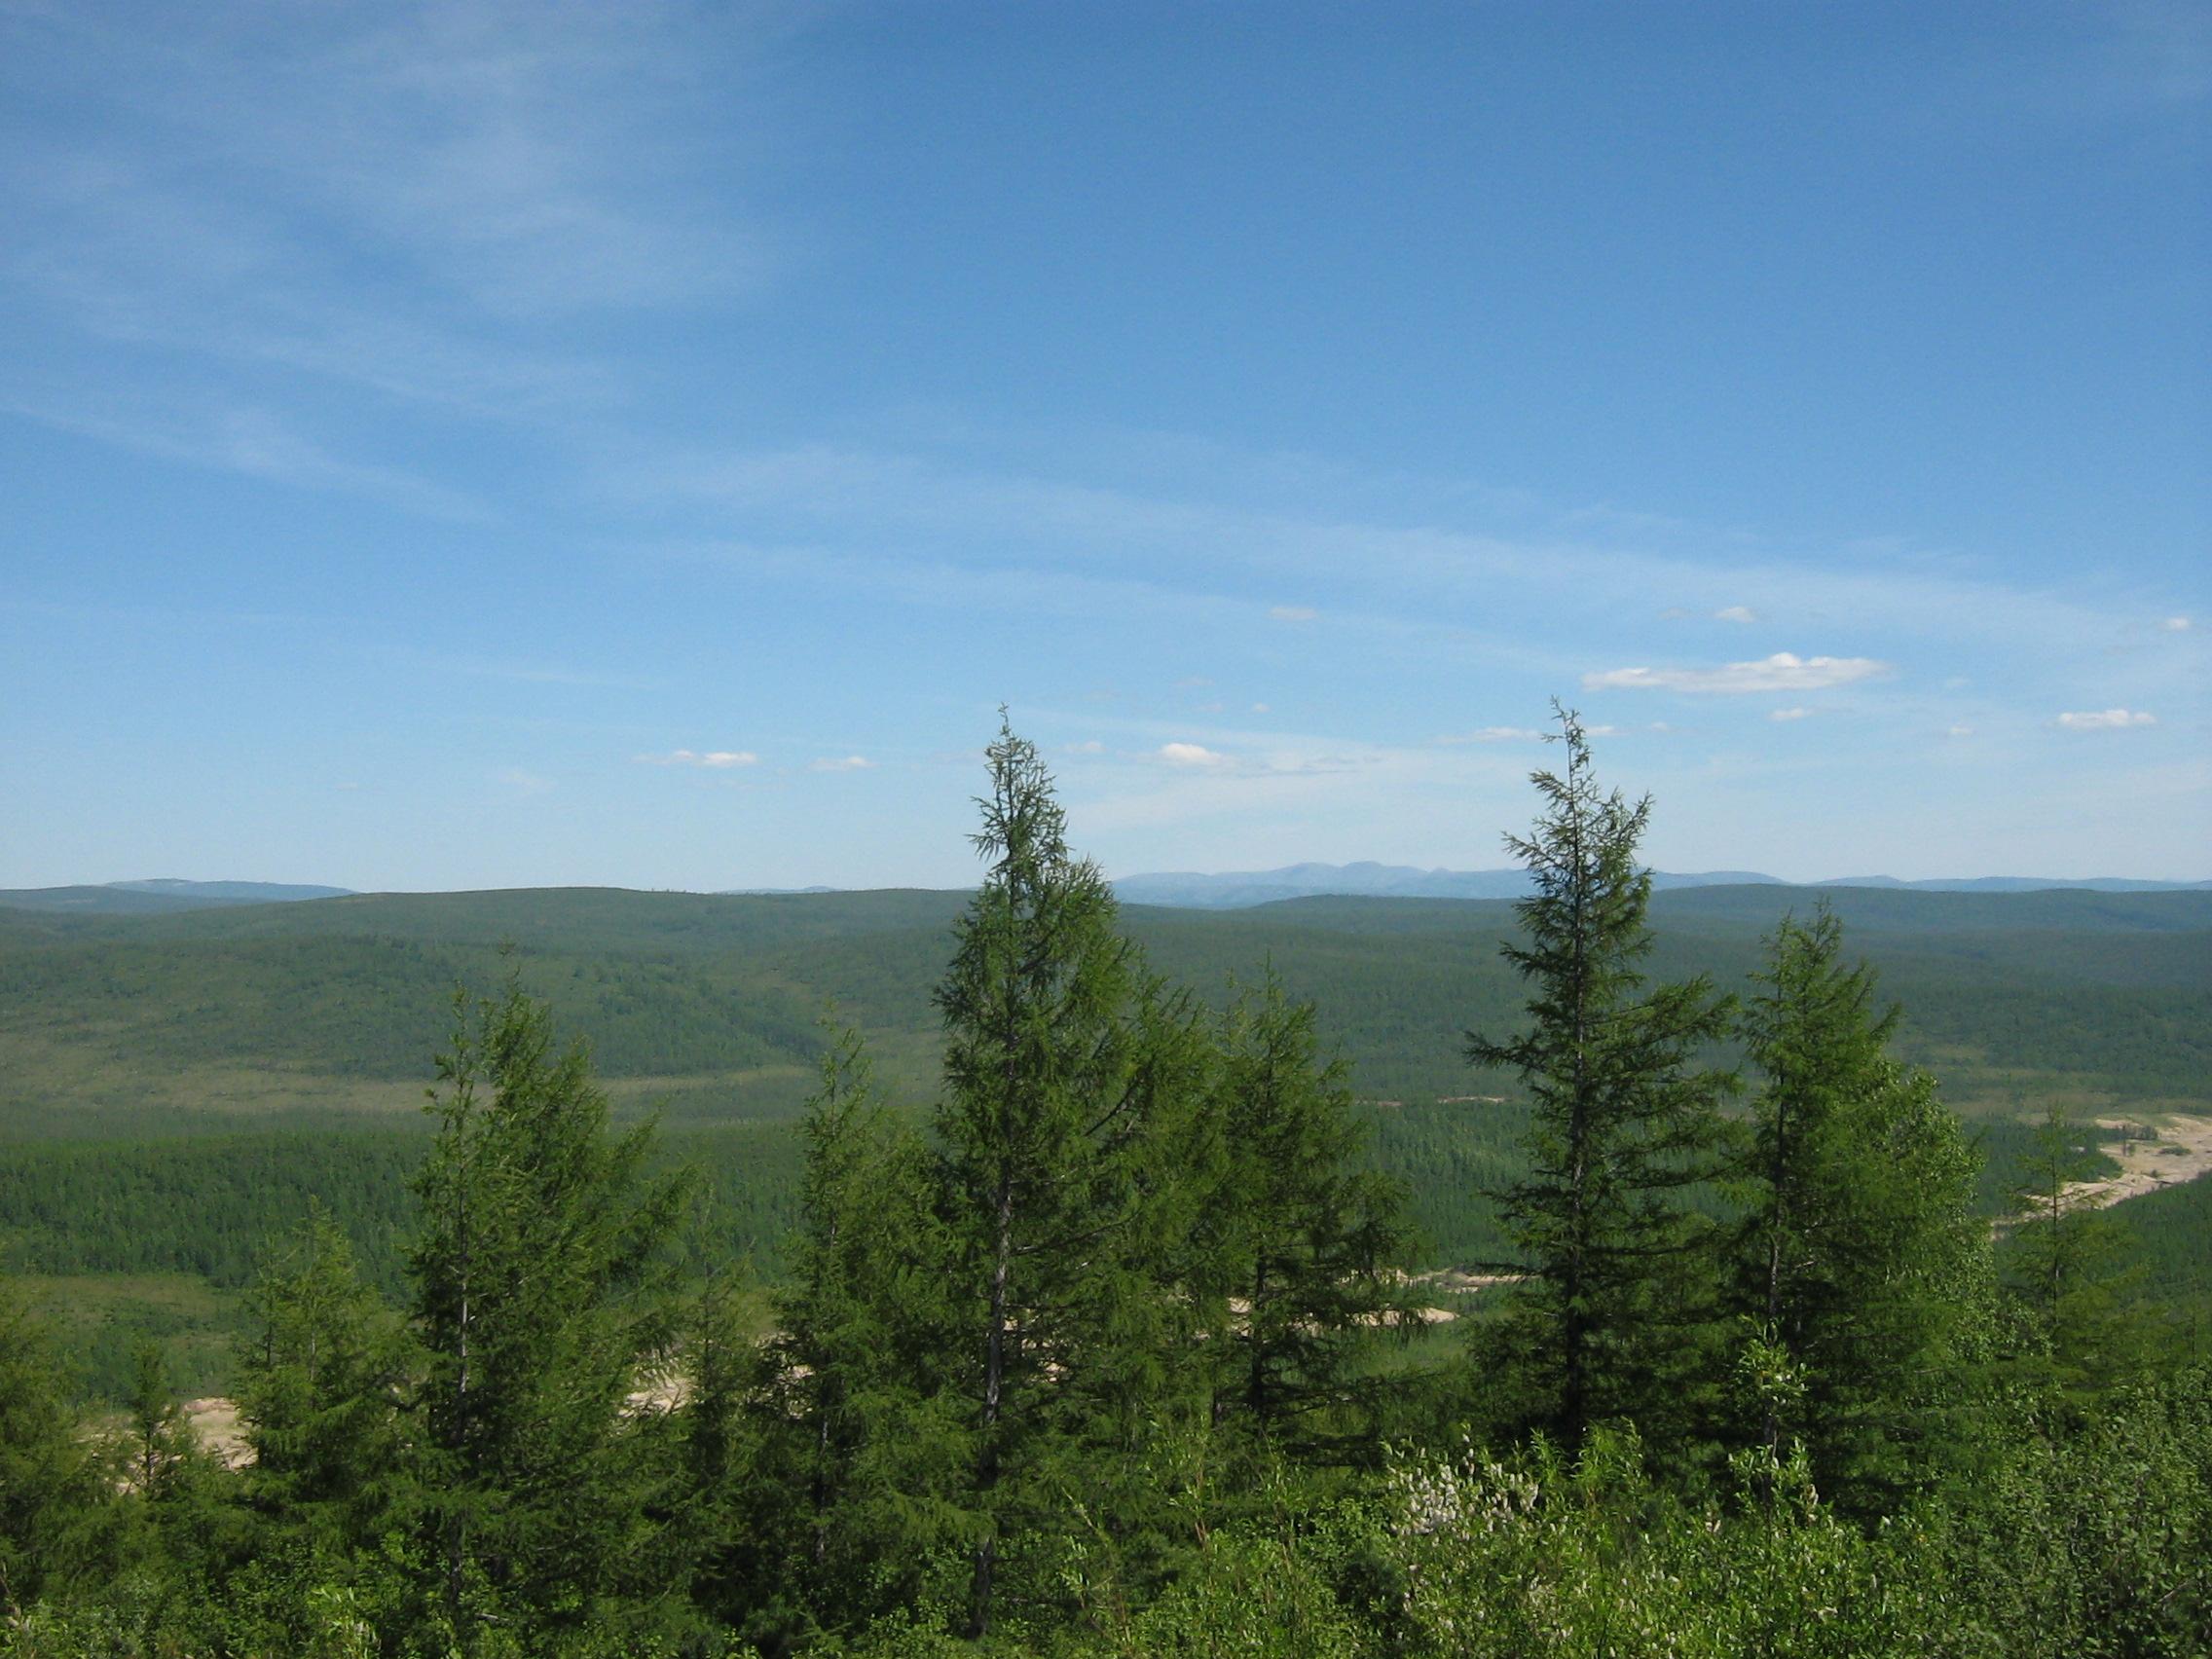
1121, 1344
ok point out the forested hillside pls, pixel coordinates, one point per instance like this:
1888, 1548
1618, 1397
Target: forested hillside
304, 1007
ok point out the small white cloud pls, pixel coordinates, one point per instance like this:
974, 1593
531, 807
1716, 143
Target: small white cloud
1602, 731
1788, 714
2105, 719
1293, 613
2177, 624
841, 763
1959, 731
1191, 755
1495, 734
1784, 671
1258, 708
1735, 613
1213, 708
715, 759
525, 782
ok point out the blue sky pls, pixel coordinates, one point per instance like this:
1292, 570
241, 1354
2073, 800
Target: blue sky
495, 445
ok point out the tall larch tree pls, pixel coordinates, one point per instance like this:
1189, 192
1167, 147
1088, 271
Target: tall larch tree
1608, 1321
1049, 1124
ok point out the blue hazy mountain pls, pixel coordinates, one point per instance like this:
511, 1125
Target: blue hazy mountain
1238, 889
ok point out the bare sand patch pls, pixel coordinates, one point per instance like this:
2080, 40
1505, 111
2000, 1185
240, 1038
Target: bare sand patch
214, 1420
2182, 1152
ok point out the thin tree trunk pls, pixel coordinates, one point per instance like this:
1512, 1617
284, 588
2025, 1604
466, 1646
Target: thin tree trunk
1256, 1386
1777, 1173
457, 1549
994, 1384
1573, 1358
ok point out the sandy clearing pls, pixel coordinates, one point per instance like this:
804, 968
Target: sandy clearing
215, 1421
2183, 1152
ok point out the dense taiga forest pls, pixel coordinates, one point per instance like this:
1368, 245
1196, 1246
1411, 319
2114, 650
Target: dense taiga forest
1597, 1273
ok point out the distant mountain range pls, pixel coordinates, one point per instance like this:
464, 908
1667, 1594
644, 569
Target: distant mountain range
232, 892
159, 894
1238, 889
1231, 890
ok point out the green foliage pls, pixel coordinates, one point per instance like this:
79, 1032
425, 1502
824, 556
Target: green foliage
861, 1451
54, 1486
2090, 1537
321, 1382
210, 1208
2164, 1233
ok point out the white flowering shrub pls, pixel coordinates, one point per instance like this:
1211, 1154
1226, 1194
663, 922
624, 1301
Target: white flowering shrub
1543, 1556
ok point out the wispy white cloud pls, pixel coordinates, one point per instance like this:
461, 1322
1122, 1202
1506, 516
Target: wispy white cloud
841, 763
1781, 672
522, 782
251, 441
497, 167
2177, 625
713, 759
1959, 731
1292, 612
1293, 761
1788, 714
2104, 720
1735, 613
1089, 745
1424, 577
1192, 755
